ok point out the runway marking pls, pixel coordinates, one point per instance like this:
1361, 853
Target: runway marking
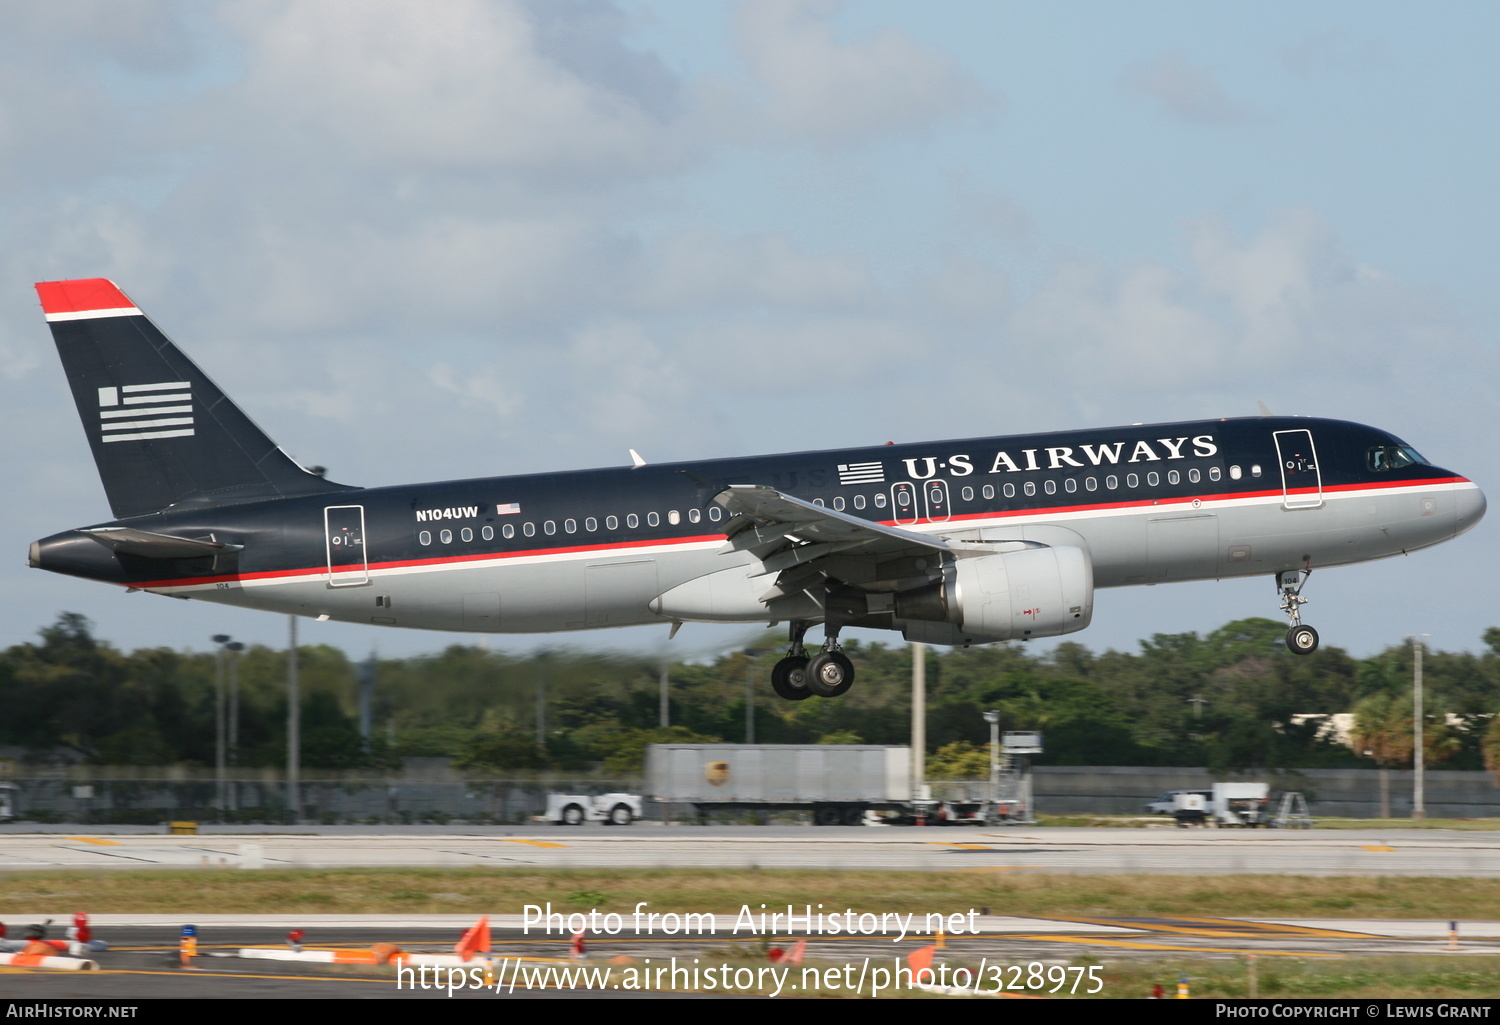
997, 868
95, 840
1298, 930
533, 843
1224, 927
1376, 847
1097, 941
960, 846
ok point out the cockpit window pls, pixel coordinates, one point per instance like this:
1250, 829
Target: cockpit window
1381, 458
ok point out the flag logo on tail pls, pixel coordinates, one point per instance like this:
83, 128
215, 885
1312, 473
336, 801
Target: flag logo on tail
135, 412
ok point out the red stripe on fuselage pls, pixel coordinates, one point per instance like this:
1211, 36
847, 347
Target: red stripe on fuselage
658, 542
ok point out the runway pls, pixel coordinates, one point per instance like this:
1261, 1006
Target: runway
1435, 852
143, 962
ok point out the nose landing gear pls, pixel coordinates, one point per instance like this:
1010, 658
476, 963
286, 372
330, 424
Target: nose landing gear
1300, 638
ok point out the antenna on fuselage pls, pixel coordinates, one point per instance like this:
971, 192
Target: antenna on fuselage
636, 461
1264, 411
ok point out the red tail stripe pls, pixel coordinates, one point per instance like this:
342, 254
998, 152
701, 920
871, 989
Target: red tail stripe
83, 296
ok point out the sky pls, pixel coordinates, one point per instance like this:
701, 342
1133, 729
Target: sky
424, 241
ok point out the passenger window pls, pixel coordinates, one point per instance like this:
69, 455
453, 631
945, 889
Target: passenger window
903, 498
694, 516
488, 533
838, 504
1214, 473
715, 513
1132, 480
1194, 476
508, 531
1173, 477
880, 500
612, 522
1070, 485
988, 491
1255, 470
1111, 482
674, 517
632, 521
529, 529
1010, 491
467, 534
446, 537
817, 501
571, 526
590, 524
424, 538
968, 494
1091, 484
1153, 478
1050, 487
653, 520
1030, 488
1234, 473
550, 527
859, 501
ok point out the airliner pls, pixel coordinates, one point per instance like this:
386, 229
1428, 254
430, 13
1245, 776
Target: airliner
954, 542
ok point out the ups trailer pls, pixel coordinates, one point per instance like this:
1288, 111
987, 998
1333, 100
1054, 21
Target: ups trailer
838, 783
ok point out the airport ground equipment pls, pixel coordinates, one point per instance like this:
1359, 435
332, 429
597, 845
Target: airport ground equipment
1292, 812
610, 809
1242, 804
1191, 808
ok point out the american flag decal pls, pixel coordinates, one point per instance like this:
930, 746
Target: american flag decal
508, 508
135, 412
861, 473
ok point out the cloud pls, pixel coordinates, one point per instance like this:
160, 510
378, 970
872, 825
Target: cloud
821, 88
1184, 90
1332, 51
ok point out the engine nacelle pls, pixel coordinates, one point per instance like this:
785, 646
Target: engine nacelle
1039, 592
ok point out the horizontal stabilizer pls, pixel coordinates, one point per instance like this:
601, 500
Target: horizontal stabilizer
149, 545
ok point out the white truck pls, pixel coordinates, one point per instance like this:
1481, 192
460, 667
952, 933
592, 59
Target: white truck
1227, 804
610, 809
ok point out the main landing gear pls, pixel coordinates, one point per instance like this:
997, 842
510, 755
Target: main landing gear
1300, 639
826, 674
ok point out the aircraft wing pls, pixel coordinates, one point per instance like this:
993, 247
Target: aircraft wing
801, 541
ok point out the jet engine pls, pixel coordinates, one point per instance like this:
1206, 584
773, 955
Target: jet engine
1038, 592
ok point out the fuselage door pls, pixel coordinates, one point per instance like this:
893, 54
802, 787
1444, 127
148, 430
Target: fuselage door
1301, 482
904, 502
344, 529
935, 492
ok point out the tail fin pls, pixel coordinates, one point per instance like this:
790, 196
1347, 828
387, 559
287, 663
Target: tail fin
162, 433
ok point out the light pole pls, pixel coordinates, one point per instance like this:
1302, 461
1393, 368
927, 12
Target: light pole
918, 720
993, 718
220, 775
293, 726
1418, 788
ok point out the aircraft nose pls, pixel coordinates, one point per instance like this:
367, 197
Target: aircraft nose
1470, 508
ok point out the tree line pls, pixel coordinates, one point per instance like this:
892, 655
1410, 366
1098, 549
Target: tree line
1231, 700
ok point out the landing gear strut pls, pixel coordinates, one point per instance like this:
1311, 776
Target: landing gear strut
827, 674
1300, 639
789, 676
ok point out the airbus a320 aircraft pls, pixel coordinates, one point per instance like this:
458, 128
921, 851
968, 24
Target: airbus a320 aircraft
955, 542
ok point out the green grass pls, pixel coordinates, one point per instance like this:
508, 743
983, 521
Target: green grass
504, 891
